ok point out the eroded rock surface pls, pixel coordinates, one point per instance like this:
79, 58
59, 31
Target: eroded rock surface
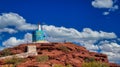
58, 53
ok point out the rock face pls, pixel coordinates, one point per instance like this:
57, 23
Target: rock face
58, 53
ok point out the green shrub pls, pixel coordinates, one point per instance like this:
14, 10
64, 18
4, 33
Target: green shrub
94, 64
89, 59
69, 65
63, 48
58, 65
43, 58
14, 61
6, 52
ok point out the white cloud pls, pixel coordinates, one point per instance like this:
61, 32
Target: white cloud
28, 38
89, 44
12, 22
71, 33
102, 3
9, 30
106, 13
13, 41
106, 4
27, 27
112, 50
115, 7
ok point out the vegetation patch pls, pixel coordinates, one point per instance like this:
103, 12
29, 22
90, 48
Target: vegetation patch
58, 65
43, 58
15, 61
91, 59
69, 65
6, 52
63, 48
95, 64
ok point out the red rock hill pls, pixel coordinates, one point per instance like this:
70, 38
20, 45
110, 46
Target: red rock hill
58, 53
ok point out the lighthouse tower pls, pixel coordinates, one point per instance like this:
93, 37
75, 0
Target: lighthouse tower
38, 36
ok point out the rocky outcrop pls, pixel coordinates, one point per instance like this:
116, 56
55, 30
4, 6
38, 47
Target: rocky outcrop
21, 55
58, 53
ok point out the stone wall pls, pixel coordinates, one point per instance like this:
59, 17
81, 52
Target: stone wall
31, 51
22, 55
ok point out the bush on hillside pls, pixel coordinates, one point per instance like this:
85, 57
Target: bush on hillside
94, 64
6, 52
63, 48
69, 65
58, 65
43, 58
14, 60
91, 59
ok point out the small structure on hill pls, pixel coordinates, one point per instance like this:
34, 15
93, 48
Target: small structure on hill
31, 49
38, 36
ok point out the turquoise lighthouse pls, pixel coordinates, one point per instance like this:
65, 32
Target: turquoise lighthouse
38, 35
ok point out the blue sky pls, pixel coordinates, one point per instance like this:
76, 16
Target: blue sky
77, 14
87, 21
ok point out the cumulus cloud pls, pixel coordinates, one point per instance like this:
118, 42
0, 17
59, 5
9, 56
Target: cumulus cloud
11, 22
106, 4
28, 38
102, 3
13, 41
112, 49
87, 33
115, 7
9, 30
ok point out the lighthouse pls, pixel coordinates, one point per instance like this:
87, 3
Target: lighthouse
38, 36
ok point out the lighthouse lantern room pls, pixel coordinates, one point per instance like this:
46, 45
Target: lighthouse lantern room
38, 35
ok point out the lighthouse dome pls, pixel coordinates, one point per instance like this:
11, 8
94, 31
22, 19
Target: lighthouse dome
38, 35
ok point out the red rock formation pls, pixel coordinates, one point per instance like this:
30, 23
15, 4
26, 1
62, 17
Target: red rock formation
59, 53
113, 65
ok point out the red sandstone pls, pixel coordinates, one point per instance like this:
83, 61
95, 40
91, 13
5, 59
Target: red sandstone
69, 53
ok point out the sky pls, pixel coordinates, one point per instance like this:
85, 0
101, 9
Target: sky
93, 24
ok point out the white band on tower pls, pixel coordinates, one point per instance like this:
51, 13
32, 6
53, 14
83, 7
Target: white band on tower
39, 28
